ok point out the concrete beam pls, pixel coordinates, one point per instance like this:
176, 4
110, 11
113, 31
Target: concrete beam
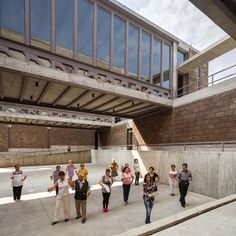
221, 13
213, 51
80, 81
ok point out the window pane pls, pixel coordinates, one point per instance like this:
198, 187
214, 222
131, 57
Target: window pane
41, 23
12, 19
145, 60
85, 30
166, 66
133, 51
119, 45
64, 27
103, 37
180, 57
156, 68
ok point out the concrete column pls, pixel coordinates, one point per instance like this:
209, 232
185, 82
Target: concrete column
9, 130
49, 136
174, 71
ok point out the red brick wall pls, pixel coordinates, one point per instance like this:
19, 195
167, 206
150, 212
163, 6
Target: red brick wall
29, 136
3, 138
76, 137
212, 119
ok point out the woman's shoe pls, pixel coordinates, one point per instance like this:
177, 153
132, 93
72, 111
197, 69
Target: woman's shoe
54, 222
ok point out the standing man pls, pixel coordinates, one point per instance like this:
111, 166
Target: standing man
17, 178
55, 177
184, 176
82, 191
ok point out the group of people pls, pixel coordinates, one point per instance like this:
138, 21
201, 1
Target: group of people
64, 180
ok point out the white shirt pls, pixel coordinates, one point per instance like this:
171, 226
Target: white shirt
171, 172
18, 177
63, 189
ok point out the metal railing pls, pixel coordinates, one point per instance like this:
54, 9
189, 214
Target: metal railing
197, 85
221, 146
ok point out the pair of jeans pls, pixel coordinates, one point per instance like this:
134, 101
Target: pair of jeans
17, 192
183, 189
148, 205
106, 197
137, 174
126, 189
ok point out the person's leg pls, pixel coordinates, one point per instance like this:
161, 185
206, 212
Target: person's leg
104, 201
107, 202
138, 175
57, 214
84, 210
185, 190
66, 207
77, 207
124, 192
171, 187
19, 192
148, 212
181, 191
14, 192
56, 190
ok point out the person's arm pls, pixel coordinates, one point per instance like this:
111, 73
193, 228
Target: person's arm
86, 171
178, 177
101, 182
12, 176
88, 192
50, 189
190, 177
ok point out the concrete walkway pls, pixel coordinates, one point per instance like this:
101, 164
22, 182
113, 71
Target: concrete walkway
33, 217
221, 221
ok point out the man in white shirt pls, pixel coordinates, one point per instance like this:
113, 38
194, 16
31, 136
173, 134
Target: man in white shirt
17, 178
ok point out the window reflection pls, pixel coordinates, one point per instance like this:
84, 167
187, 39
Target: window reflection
12, 19
85, 30
103, 37
145, 60
156, 68
133, 51
119, 45
64, 27
41, 23
180, 57
166, 66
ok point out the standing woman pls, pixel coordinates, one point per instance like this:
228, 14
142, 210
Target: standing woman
172, 179
62, 199
136, 171
149, 188
106, 183
127, 180
114, 167
70, 169
17, 178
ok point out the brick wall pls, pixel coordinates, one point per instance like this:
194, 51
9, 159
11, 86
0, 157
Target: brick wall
76, 137
212, 119
3, 138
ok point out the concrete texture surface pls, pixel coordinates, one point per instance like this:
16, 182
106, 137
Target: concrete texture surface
212, 171
218, 222
33, 217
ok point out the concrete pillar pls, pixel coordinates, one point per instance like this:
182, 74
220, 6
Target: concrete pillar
174, 71
9, 130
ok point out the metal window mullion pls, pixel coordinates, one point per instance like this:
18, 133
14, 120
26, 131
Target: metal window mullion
171, 53
75, 31
161, 63
53, 26
111, 39
151, 60
27, 22
126, 47
139, 53
95, 34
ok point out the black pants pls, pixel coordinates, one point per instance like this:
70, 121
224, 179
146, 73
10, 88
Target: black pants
137, 175
56, 190
106, 197
183, 189
126, 189
17, 192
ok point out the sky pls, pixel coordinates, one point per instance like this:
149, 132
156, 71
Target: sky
182, 19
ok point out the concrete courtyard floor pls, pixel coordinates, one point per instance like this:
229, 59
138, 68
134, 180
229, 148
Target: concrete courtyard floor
221, 221
33, 215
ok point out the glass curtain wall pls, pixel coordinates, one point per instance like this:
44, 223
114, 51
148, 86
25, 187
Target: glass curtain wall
40, 12
12, 19
64, 27
145, 57
156, 67
119, 45
85, 31
103, 37
166, 66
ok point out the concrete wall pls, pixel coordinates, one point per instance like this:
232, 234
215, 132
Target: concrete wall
48, 158
212, 172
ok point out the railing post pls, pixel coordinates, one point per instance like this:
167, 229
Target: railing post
222, 146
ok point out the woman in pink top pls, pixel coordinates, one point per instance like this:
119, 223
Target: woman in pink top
127, 180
